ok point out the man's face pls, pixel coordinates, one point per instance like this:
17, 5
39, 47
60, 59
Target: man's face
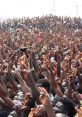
39, 111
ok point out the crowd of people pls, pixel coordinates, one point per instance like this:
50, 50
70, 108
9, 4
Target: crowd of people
41, 67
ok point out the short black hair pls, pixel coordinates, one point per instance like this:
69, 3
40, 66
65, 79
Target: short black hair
69, 106
44, 83
31, 103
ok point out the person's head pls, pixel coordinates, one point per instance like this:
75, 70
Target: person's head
59, 107
45, 84
39, 111
69, 106
29, 100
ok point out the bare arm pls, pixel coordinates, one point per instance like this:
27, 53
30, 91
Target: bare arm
55, 86
5, 97
45, 100
23, 84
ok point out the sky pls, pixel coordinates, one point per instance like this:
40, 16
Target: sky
31, 8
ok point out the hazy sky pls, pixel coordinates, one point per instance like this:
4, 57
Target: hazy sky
20, 8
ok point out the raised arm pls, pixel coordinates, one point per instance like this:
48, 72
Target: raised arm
54, 84
5, 97
45, 100
22, 83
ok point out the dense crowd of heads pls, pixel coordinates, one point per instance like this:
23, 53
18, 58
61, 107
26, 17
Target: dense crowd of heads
41, 67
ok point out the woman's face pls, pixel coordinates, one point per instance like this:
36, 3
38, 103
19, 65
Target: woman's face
39, 111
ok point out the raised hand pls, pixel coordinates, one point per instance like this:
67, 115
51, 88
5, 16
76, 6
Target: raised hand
44, 97
45, 100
